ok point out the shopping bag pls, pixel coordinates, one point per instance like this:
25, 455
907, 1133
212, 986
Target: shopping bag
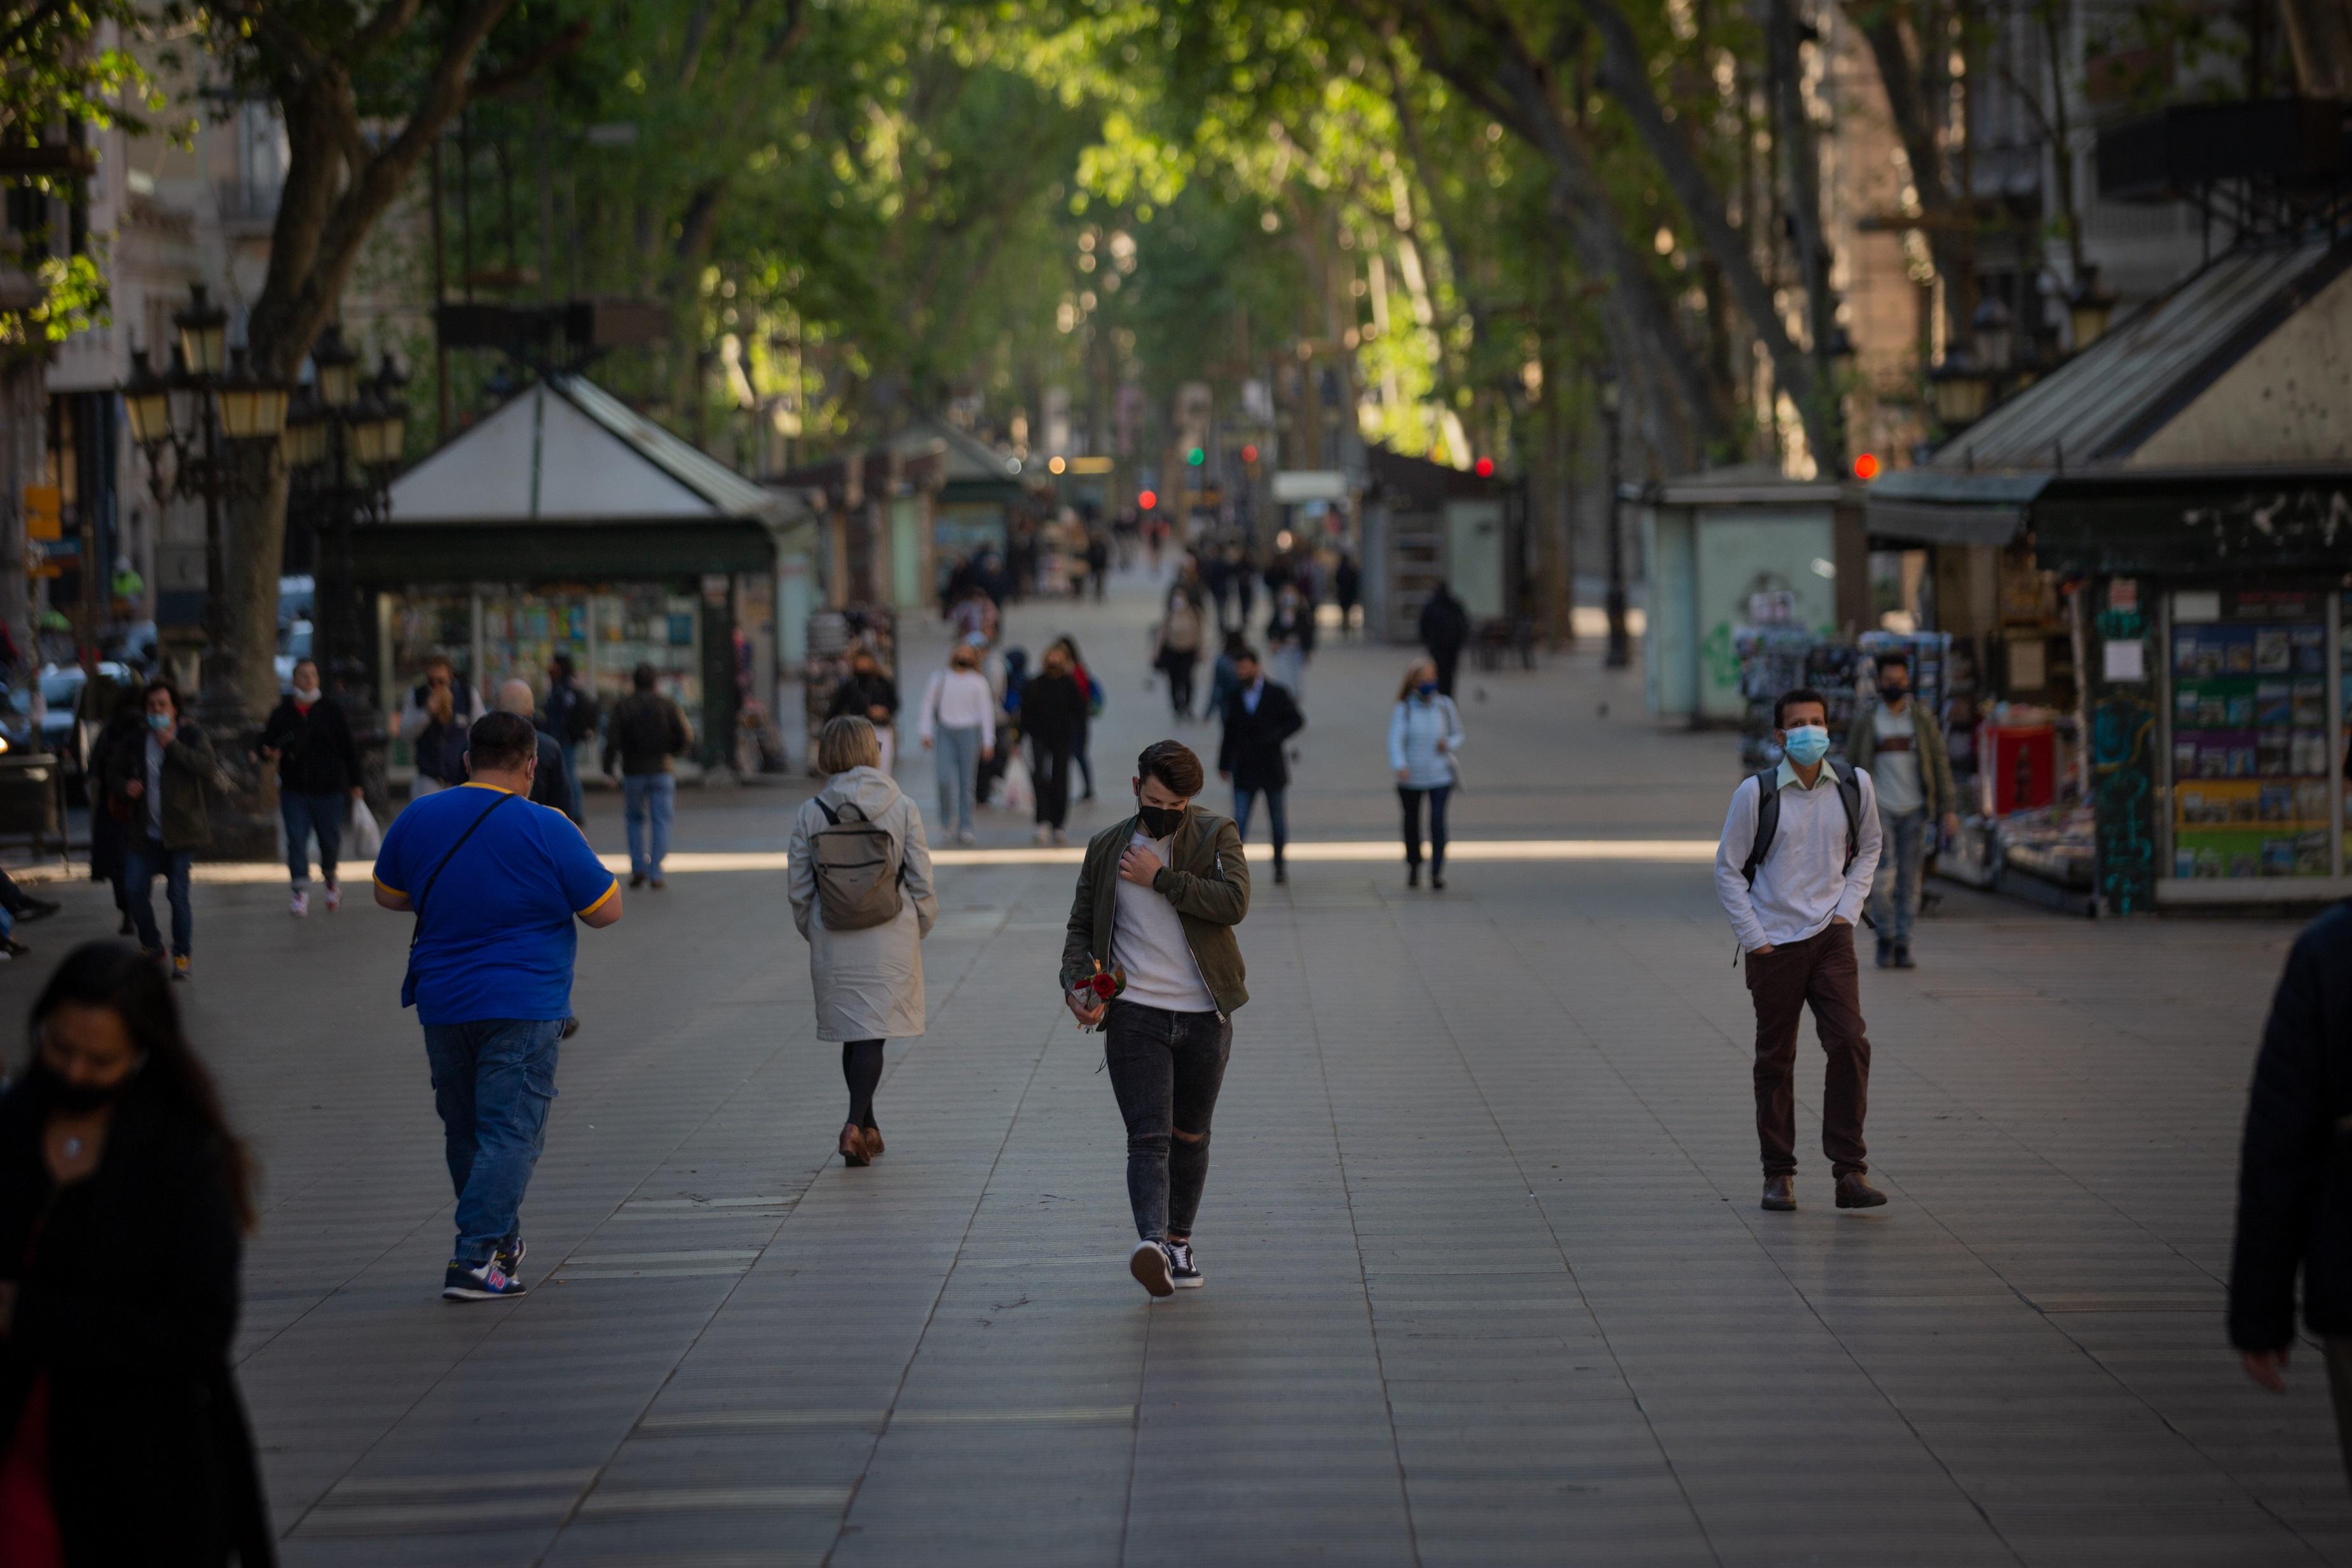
1019, 791
366, 836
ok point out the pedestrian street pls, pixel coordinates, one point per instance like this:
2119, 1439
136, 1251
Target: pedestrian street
1487, 1284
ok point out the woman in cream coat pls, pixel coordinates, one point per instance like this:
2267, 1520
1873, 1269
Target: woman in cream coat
869, 983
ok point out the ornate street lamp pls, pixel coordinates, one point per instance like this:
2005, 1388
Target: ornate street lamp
1960, 390
336, 363
1992, 334
203, 333
2090, 308
353, 429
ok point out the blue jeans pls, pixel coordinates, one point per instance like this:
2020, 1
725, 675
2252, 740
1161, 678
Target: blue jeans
654, 796
1906, 841
1277, 815
493, 1081
141, 864
958, 771
305, 815
572, 775
1411, 799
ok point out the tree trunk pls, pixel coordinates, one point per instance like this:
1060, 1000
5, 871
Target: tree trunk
1800, 160
24, 398
1915, 92
2319, 34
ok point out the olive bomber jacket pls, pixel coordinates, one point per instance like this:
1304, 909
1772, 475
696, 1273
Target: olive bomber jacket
1207, 879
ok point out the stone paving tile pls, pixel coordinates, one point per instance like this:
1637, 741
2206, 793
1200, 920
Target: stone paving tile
1489, 1285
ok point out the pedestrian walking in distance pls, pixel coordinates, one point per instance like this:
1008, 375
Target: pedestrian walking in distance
866, 692
1158, 895
1902, 747
1083, 752
1793, 869
862, 895
1260, 718
570, 715
163, 779
1053, 717
646, 731
1177, 647
494, 882
550, 786
113, 824
318, 775
1424, 735
1444, 628
1291, 639
434, 721
124, 1201
2294, 1205
960, 719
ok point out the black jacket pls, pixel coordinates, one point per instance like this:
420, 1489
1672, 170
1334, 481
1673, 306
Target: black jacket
127, 1305
316, 753
2294, 1174
551, 785
1445, 623
1054, 711
858, 693
1295, 626
570, 713
1252, 749
646, 731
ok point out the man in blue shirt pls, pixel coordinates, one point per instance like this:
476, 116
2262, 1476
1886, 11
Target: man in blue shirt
496, 882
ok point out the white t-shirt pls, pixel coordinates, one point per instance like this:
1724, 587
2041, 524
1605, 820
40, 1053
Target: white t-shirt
1147, 940
1894, 766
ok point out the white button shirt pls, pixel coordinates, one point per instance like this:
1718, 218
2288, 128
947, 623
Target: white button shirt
1803, 880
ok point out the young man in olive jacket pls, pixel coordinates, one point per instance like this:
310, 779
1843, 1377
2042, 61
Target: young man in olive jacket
2294, 1174
1158, 895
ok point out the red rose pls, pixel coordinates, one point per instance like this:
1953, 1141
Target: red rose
1104, 986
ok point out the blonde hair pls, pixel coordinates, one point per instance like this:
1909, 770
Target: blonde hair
1413, 676
845, 743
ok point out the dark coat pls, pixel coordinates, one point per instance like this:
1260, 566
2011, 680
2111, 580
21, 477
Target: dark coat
316, 753
1054, 711
127, 1305
858, 693
1252, 750
189, 768
551, 785
1292, 626
1445, 623
646, 731
2294, 1174
570, 713
1206, 878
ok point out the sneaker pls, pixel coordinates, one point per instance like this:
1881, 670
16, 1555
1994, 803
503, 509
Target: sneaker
14, 948
1885, 954
636, 879
511, 1254
334, 898
479, 1283
1045, 834
1060, 837
299, 905
1181, 1266
1148, 1263
179, 966
967, 837
1903, 956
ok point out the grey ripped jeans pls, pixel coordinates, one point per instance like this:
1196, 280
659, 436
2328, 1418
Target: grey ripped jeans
1166, 1068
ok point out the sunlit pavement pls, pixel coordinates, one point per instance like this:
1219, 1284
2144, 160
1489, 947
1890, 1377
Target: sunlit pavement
1487, 1284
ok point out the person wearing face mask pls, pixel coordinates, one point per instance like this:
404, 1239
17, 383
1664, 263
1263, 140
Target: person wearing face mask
1158, 895
959, 718
1902, 745
1424, 734
1794, 867
161, 781
318, 775
125, 1197
1291, 639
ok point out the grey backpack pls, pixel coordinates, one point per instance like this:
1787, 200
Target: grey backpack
858, 867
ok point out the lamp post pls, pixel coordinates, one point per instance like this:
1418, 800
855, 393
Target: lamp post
343, 444
1621, 653
2090, 308
221, 425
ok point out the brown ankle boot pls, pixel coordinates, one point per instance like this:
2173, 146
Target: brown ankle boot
853, 1146
1853, 1192
873, 1141
1779, 1193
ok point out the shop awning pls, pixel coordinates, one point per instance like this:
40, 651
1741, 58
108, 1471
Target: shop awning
1927, 506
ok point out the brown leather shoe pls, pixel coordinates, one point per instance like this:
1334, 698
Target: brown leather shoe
1853, 1192
873, 1142
1779, 1193
853, 1147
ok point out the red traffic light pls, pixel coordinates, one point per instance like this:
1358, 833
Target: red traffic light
1147, 500
1249, 453
1484, 468
1865, 466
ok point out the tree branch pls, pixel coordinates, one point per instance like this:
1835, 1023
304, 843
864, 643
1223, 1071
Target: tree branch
507, 78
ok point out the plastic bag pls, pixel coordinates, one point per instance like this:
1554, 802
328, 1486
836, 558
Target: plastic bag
1019, 792
366, 836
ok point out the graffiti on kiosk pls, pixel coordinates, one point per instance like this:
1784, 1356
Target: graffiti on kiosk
2122, 727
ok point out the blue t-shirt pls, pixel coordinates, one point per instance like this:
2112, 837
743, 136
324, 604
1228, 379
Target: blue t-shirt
497, 939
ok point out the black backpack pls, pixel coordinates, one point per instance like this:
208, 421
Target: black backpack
1768, 816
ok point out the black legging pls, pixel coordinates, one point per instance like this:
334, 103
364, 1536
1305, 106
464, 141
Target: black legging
1180, 682
1050, 769
861, 1064
1412, 798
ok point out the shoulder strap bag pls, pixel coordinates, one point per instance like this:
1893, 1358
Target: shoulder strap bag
416, 902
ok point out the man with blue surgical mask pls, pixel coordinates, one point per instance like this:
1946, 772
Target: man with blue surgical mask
1793, 871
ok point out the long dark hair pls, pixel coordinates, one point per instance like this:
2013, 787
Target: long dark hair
117, 976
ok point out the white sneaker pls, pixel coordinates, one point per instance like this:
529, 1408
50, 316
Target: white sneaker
1060, 837
334, 899
299, 906
967, 837
1182, 1270
1045, 834
1149, 1264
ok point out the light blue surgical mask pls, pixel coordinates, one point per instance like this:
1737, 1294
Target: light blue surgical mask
159, 721
1806, 744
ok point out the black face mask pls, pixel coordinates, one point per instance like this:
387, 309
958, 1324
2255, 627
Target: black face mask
1894, 693
1159, 822
75, 1099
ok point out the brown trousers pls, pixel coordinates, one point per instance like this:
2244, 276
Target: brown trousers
1821, 970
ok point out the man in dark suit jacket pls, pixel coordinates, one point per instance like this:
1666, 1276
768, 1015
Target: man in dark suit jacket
2294, 1176
552, 784
1260, 719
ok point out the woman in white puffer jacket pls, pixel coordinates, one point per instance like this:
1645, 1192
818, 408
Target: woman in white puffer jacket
1425, 733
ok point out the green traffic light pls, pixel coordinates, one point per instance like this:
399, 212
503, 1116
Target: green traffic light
1196, 457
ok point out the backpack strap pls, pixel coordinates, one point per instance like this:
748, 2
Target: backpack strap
1768, 822
1849, 788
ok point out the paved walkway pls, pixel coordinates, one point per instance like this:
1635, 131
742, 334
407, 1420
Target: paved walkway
1487, 1282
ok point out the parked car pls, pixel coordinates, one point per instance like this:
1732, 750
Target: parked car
60, 731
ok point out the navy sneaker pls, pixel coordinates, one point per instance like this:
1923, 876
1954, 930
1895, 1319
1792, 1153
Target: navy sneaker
509, 1255
1148, 1263
481, 1283
1181, 1270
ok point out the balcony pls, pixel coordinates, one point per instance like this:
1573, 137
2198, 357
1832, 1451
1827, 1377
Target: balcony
246, 210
